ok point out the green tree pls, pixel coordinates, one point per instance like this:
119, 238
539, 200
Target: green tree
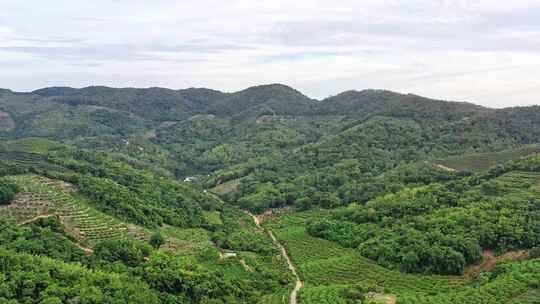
156, 240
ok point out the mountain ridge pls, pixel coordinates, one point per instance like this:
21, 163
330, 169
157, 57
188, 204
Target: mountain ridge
46, 92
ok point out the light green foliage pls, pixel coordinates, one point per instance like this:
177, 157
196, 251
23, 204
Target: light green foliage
45, 237
29, 278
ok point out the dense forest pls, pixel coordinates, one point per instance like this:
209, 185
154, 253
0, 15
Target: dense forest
143, 196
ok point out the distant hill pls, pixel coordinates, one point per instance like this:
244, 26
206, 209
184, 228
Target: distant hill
200, 130
274, 99
382, 102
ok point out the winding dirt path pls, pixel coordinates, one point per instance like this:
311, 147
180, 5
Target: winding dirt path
37, 218
299, 284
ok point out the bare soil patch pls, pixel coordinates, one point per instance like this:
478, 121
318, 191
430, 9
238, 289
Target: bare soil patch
490, 260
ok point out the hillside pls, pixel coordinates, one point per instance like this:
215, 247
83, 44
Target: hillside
85, 207
372, 195
257, 121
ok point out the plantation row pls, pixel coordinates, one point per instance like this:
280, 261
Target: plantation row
45, 197
483, 161
519, 179
326, 294
510, 283
280, 297
28, 160
27, 206
334, 274
323, 262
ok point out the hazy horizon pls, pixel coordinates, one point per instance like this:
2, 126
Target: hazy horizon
474, 51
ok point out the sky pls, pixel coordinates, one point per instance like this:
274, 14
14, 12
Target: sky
484, 51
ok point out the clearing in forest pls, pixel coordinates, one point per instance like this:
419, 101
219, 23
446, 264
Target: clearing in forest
226, 187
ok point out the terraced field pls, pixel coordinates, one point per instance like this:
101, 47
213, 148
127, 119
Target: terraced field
30, 153
482, 161
280, 297
519, 179
323, 262
328, 269
30, 145
29, 160
532, 296
324, 294
42, 197
185, 239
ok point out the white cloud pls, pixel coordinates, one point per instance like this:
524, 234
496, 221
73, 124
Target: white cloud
476, 50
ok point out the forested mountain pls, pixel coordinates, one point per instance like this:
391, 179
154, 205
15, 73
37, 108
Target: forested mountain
374, 195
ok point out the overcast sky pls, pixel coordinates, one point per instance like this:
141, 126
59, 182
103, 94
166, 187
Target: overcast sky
486, 52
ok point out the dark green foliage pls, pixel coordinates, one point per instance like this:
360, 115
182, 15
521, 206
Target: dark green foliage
381, 102
181, 279
10, 168
441, 228
156, 240
130, 252
274, 99
126, 270
534, 253
234, 234
245, 241
7, 192
44, 238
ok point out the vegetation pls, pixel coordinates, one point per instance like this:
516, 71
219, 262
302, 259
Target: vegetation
483, 161
441, 228
156, 240
34, 279
111, 195
45, 237
7, 192
335, 274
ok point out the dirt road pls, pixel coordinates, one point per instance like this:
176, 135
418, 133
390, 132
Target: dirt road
299, 284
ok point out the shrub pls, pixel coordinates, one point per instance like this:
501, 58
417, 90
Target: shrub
534, 253
156, 240
7, 192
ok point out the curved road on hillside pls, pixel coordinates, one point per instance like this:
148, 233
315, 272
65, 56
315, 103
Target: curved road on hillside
299, 284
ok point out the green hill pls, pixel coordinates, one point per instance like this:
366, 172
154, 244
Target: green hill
375, 195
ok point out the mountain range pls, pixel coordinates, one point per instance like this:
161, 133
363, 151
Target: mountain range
264, 196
